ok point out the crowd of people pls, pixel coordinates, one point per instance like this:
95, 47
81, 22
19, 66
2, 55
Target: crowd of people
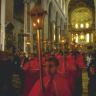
61, 73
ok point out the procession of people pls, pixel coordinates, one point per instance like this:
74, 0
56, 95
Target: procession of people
61, 73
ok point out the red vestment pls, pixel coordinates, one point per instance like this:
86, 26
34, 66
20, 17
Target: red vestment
31, 65
61, 62
80, 61
31, 70
74, 65
59, 87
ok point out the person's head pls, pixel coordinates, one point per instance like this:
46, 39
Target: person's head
52, 65
22, 54
17, 53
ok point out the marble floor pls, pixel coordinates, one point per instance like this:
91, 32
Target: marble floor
85, 83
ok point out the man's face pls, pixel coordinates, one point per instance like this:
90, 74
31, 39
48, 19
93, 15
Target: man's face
51, 68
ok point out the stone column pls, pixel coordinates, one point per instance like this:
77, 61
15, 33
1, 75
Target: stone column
62, 31
57, 36
66, 17
92, 37
53, 33
2, 34
95, 15
64, 7
57, 30
45, 29
54, 29
25, 23
45, 32
31, 31
59, 33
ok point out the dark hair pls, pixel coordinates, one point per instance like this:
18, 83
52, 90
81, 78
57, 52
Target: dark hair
54, 59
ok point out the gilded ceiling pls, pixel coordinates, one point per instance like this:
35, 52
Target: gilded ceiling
81, 15
80, 3
81, 12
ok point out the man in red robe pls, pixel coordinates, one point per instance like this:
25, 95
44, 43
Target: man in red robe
62, 61
80, 61
55, 84
31, 70
75, 63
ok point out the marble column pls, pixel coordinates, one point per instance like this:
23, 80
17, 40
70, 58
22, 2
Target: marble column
2, 34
